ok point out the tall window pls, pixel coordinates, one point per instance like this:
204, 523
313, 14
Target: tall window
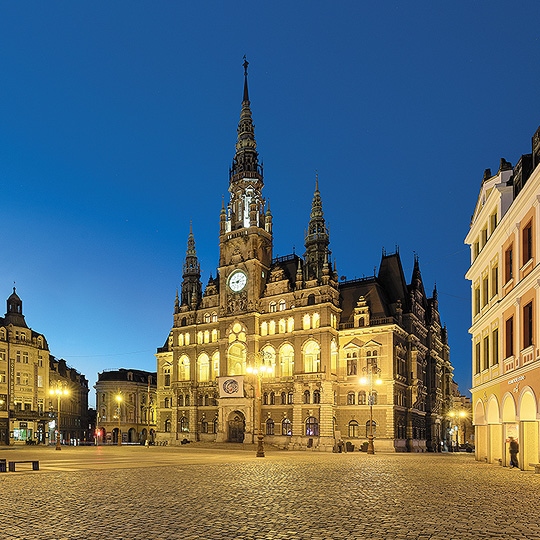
351, 363
373, 397
350, 398
282, 326
290, 398
477, 300
273, 307
270, 427
374, 425
312, 427
477, 358
509, 337
527, 325
508, 265
286, 427
485, 291
167, 377
286, 360
204, 367
167, 426
527, 243
362, 397
484, 237
264, 329
494, 280
184, 424
492, 222
316, 396
495, 347
290, 324
312, 357
282, 305
486, 352
333, 357
354, 429
306, 397
183, 365
215, 365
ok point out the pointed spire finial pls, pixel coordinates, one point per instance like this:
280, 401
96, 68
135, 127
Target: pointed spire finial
245, 64
246, 94
316, 180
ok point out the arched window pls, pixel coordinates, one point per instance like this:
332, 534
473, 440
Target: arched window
167, 426
286, 360
283, 398
373, 397
316, 320
204, 367
214, 335
290, 398
306, 321
316, 396
273, 307
290, 324
269, 359
184, 425
200, 400
282, 305
204, 426
312, 357
282, 326
167, 403
187, 400
265, 399
207, 336
272, 398
264, 329
286, 427
350, 398
354, 429
167, 376
180, 400
215, 365
207, 317
333, 357
187, 338
272, 328
199, 338
181, 340
270, 427
214, 317
216, 424
184, 368
236, 359
206, 400
312, 427
374, 424
183, 322
362, 397
311, 300
306, 397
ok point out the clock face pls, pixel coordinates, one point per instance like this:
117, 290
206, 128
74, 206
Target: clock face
237, 281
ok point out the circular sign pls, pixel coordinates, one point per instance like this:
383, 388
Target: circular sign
230, 386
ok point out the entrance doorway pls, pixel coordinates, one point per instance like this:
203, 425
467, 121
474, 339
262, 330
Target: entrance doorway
237, 427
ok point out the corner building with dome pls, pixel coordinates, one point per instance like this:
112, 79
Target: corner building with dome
317, 337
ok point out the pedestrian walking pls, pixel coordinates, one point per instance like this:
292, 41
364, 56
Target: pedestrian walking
514, 449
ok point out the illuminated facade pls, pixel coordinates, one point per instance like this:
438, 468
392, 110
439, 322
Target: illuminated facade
317, 334
134, 413
27, 374
505, 285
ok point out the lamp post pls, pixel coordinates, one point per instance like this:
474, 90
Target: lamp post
370, 371
119, 400
147, 442
258, 369
59, 393
459, 416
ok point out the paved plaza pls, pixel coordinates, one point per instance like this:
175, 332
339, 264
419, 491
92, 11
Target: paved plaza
162, 493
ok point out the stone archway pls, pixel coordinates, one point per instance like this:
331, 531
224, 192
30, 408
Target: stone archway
237, 427
132, 435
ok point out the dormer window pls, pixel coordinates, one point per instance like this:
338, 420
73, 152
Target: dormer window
273, 307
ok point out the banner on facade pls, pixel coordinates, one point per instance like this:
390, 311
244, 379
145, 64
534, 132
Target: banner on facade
231, 386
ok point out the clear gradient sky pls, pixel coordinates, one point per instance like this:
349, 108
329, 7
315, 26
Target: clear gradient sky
118, 123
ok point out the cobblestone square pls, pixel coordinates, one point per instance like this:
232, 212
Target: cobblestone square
164, 493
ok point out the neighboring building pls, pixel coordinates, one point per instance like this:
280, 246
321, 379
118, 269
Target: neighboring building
504, 277
318, 335
74, 419
24, 379
461, 428
134, 414
28, 372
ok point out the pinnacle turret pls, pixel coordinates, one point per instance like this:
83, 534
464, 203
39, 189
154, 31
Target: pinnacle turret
191, 284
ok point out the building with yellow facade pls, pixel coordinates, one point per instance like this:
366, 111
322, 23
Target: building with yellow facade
505, 287
342, 359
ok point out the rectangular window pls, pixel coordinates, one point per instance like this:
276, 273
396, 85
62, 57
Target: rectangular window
476, 250
477, 358
527, 325
25, 357
25, 379
494, 280
40, 381
18, 378
485, 291
495, 347
527, 243
492, 222
2, 376
509, 337
19, 356
486, 352
508, 265
484, 236
3, 356
477, 300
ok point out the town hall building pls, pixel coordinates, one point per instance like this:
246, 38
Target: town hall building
341, 360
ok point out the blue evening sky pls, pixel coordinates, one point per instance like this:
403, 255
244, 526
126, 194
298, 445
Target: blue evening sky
118, 123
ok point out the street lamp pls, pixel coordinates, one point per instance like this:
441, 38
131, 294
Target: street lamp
371, 370
119, 400
459, 416
259, 369
59, 393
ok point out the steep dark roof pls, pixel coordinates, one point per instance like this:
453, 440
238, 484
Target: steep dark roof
370, 289
122, 375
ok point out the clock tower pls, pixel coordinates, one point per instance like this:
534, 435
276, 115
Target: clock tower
245, 240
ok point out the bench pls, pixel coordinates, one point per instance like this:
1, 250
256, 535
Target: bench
3, 465
35, 464
536, 467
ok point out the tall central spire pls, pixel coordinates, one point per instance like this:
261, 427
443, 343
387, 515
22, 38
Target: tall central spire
191, 284
246, 159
